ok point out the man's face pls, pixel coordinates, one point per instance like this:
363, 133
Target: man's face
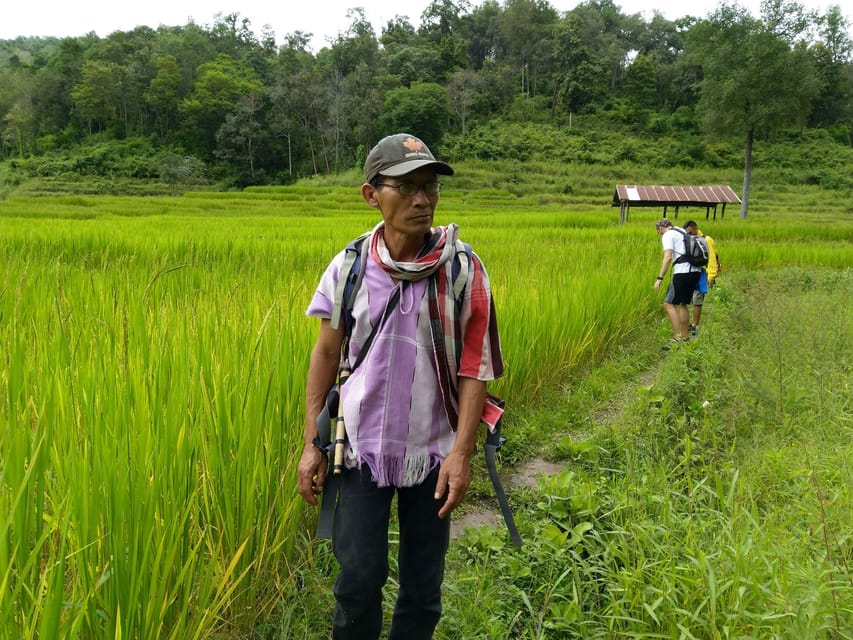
661, 230
407, 215
692, 229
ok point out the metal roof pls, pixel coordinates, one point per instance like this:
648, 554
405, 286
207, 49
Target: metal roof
659, 196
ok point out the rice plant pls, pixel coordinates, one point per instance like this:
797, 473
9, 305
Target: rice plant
153, 363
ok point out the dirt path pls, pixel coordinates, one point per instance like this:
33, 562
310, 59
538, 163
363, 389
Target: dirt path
486, 512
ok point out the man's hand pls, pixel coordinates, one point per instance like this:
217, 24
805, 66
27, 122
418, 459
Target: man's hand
454, 476
312, 473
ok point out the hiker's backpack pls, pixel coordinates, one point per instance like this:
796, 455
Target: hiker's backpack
695, 249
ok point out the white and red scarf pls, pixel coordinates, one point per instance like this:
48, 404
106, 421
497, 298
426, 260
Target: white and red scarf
452, 358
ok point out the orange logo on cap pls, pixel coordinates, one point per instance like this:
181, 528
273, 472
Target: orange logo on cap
413, 144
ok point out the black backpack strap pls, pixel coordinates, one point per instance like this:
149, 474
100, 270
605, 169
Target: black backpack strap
683, 257
459, 269
349, 281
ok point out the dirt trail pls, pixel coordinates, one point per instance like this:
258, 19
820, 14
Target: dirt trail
486, 512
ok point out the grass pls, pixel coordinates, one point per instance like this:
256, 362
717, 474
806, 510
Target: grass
715, 504
153, 362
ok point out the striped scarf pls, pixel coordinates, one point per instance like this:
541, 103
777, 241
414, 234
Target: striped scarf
437, 251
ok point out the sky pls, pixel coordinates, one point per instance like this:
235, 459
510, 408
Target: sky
323, 18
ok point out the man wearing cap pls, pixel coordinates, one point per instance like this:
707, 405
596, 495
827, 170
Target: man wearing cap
684, 280
412, 406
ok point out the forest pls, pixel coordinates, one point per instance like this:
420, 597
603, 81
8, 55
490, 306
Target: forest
223, 106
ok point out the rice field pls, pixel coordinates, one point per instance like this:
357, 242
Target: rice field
152, 359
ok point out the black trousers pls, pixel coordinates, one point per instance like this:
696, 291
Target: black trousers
360, 543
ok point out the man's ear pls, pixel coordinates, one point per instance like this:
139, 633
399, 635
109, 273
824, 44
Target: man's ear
370, 195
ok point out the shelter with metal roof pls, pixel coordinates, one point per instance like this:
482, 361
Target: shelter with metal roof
632, 195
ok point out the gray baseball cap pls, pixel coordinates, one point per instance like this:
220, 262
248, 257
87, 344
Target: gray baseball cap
400, 154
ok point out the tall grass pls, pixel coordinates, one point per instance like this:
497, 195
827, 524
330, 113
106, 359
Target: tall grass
152, 389
153, 361
717, 504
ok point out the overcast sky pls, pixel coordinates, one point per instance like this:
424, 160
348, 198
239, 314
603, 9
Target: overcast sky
324, 18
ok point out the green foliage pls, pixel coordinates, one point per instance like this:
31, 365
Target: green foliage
95, 96
218, 89
133, 158
179, 171
670, 514
518, 62
422, 109
700, 508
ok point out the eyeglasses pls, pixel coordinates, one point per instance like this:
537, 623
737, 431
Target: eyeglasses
409, 189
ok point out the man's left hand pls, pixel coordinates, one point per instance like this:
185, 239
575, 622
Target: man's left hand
454, 476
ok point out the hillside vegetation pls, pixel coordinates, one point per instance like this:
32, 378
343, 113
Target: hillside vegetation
219, 105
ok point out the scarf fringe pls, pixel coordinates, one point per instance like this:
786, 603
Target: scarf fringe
406, 471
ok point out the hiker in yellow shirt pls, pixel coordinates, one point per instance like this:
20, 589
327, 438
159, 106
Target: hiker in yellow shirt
708, 277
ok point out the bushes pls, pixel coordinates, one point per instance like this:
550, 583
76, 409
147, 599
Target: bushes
131, 158
810, 157
816, 156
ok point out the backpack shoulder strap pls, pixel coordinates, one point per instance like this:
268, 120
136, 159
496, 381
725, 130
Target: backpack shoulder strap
349, 280
460, 268
683, 256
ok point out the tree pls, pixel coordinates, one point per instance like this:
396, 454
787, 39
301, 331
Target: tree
220, 85
831, 58
95, 97
422, 110
163, 93
398, 31
527, 42
17, 115
357, 45
661, 41
177, 170
441, 18
297, 97
638, 86
601, 31
581, 80
190, 45
416, 62
238, 138
130, 55
755, 80
440, 28
481, 31
461, 91
52, 95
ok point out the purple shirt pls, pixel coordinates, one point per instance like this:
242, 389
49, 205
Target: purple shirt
392, 405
